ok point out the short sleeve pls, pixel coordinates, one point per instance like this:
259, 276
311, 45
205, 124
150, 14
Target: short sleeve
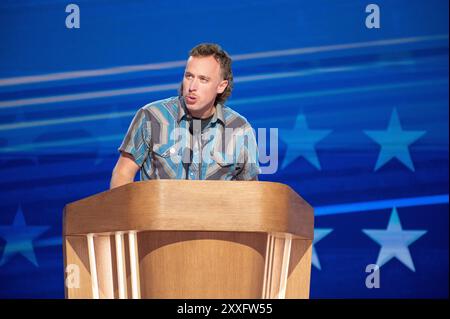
138, 137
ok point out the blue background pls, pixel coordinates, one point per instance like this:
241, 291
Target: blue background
324, 80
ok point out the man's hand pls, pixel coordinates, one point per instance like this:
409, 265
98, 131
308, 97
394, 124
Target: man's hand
124, 171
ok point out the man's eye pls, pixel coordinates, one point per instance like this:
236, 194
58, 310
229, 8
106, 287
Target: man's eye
188, 76
203, 80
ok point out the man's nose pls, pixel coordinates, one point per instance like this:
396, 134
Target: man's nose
193, 85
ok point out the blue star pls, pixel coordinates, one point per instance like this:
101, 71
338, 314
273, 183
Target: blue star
319, 233
19, 239
301, 142
394, 241
394, 142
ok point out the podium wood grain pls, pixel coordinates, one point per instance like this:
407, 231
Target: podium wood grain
190, 239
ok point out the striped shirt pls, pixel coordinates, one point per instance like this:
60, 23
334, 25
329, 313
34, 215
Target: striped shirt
159, 139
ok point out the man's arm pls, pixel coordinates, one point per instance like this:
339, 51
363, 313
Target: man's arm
124, 171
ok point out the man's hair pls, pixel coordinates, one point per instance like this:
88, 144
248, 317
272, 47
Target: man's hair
221, 56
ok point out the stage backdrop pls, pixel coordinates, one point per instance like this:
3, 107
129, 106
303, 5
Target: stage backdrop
358, 95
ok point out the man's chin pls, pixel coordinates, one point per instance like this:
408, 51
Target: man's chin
195, 107
192, 105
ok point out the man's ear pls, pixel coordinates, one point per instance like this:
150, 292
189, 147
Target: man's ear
222, 86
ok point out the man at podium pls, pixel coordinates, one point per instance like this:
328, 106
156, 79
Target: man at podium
194, 135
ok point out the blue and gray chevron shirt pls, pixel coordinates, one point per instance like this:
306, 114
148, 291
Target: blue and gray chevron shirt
166, 144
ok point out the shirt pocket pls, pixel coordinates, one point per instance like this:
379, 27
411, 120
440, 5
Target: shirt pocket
166, 158
222, 167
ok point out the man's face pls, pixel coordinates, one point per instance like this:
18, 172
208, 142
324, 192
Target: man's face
201, 83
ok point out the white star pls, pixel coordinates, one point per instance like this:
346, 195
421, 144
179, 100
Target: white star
319, 233
394, 241
19, 239
394, 142
301, 141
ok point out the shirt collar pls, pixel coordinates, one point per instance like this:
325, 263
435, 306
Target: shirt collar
218, 114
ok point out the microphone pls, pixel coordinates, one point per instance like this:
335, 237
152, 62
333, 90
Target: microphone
187, 159
195, 130
187, 152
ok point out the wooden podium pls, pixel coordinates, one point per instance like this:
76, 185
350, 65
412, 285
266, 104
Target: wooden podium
189, 239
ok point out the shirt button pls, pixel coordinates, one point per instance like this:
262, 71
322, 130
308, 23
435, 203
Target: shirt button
172, 150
